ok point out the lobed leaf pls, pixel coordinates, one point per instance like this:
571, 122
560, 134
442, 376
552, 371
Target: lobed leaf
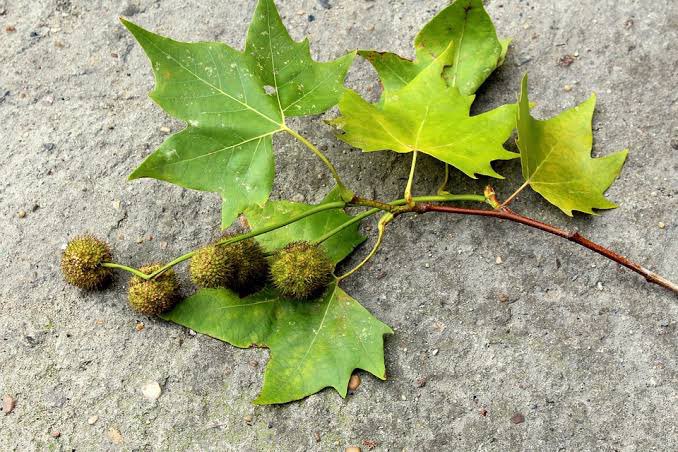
556, 158
466, 26
430, 116
314, 344
221, 94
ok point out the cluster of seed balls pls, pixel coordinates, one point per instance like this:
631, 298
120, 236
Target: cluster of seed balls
299, 271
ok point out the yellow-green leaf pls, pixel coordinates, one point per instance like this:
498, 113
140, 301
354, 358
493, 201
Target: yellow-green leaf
476, 50
556, 158
430, 116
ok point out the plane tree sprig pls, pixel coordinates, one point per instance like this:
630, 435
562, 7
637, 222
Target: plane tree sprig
275, 284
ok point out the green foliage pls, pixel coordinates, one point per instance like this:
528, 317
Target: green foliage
81, 262
467, 29
221, 93
314, 345
556, 158
430, 116
301, 271
234, 102
155, 296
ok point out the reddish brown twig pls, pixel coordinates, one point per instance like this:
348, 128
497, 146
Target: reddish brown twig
507, 214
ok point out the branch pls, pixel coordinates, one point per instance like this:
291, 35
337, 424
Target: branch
508, 214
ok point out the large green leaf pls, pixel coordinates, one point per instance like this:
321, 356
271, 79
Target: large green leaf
476, 50
222, 94
310, 228
314, 344
430, 116
556, 158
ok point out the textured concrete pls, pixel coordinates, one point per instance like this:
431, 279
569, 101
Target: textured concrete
585, 351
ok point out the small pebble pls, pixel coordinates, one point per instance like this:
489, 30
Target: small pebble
567, 88
298, 198
192, 333
139, 326
352, 449
21, 214
370, 444
661, 225
8, 404
503, 298
498, 260
92, 420
599, 286
435, 352
151, 390
566, 60
55, 434
114, 435
354, 382
10, 28
517, 418
248, 419
165, 129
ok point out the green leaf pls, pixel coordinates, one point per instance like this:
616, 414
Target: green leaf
221, 93
429, 116
556, 158
310, 228
476, 50
302, 86
314, 344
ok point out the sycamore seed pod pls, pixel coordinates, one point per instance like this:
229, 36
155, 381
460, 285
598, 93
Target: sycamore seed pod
153, 296
211, 267
301, 271
250, 266
81, 263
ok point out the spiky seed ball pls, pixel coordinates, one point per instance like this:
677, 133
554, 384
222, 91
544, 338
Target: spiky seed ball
153, 296
250, 266
301, 271
81, 262
210, 267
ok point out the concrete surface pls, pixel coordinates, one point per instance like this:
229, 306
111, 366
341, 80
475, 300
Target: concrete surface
585, 351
